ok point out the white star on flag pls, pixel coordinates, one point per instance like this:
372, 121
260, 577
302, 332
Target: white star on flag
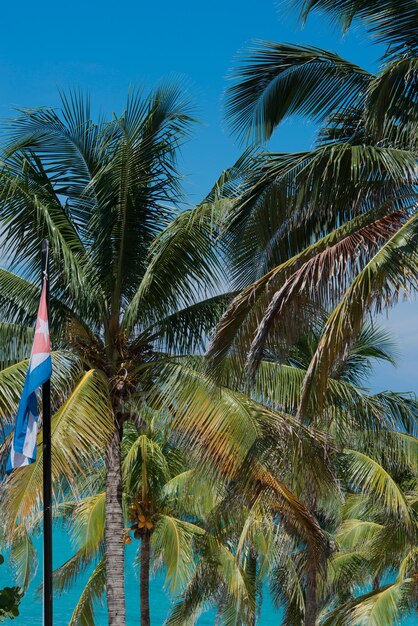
42, 328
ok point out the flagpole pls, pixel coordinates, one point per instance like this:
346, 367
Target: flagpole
47, 487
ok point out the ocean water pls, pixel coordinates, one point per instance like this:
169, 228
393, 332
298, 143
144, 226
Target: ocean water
31, 605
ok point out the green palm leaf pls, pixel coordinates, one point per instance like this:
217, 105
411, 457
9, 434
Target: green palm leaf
391, 23
81, 425
23, 556
172, 539
182, 257
83, 614
354, 239
66, 372
16, 341
388, 273
381, 607
278, 80
354, 533
369, 477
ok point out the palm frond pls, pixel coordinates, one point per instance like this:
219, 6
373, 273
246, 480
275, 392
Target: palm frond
278, 80
19, 300
173, 540
391, 116
312, 266
66, 575
181, 260
194, 493
66, 371
367, 476
381, 607
389, 272
356, 533
31, 211
408, 566
347, 571
340, 169
187, 330
82, 425
83, 614
23, 556
391, 23
137, 185
70, 147
15, 341
88, 522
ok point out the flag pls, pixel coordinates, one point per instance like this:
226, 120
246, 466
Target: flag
23, 451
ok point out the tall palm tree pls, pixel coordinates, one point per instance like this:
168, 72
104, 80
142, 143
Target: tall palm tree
332, 228
124, 295
128, 276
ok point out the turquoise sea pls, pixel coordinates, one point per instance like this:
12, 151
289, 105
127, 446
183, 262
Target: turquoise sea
31, 605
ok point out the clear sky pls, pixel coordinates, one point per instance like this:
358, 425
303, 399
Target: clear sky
104, 48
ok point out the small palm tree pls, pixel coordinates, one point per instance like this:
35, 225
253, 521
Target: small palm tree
160, 499
162, 510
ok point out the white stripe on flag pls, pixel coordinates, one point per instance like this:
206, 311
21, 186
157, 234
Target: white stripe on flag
38, 358
17, 459
30, 437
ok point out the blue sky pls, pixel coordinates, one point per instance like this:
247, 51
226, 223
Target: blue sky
104, 48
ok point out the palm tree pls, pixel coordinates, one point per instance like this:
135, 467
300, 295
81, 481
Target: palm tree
376, 541
161, 508
124, 295
333, 228
160, 501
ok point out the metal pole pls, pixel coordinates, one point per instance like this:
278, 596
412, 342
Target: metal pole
47, 487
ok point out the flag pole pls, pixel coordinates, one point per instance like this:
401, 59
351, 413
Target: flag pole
46, 449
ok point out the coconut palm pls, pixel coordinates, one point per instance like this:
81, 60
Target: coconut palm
165, 498
333, 228
160, 502
162, 496
376, 541
122, 297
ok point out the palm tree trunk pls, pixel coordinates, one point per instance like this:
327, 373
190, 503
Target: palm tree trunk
311, 603
252, 583
144, 579
115, 547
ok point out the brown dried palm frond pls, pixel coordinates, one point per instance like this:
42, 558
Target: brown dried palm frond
310, 268
325, 277
391, 272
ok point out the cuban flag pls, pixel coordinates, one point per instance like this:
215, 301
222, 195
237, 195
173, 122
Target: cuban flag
23, 451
